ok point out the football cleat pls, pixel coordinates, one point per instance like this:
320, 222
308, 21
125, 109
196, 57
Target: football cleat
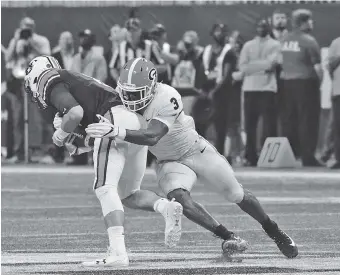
285, 243
234, 245
111, 260
173, 223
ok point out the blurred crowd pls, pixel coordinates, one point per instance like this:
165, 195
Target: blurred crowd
238, 92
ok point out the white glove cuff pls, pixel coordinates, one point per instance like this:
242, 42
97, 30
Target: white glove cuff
61, 134
121, 133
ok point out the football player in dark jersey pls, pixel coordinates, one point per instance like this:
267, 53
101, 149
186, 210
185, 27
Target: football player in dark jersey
119, 166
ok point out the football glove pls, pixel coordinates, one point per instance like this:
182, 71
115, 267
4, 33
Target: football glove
105, 129
57, 121
59, 136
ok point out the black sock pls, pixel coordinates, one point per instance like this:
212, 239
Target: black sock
269, 224
222, 232
252, 206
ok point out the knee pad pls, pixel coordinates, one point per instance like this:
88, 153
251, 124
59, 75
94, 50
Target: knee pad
236, 195
109, 199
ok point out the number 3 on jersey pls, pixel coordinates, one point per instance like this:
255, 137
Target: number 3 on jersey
174, 102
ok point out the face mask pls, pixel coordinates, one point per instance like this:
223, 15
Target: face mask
280, 26
188, 46
263, 33
219, 39
86, 45
69, 46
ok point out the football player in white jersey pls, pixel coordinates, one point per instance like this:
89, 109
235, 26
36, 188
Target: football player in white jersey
119, 165
183, 156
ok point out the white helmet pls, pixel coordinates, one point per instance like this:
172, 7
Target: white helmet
34, 72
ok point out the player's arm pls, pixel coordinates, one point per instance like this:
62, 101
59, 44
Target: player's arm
315, 57
333, 57
150, 136
66, 104
158, 126
249, 67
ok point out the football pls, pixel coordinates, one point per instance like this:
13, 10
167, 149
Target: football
79, 138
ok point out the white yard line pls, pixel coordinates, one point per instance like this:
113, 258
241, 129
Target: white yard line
152, 217
49, 262
303, 173
263, 200
196, 231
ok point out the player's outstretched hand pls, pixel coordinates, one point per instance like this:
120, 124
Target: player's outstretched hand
101, 130
105, 129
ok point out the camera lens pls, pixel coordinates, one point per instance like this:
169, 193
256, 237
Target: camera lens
25, 34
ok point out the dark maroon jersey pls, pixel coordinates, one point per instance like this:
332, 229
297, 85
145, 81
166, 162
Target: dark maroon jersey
64, 89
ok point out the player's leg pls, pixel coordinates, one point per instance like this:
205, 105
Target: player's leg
132, 197
109, 161
131, 179
176, 180
109, 158
220, 175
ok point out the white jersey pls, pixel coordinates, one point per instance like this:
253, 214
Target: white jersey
167, 107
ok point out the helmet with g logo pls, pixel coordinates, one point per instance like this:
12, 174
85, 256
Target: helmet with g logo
137, 83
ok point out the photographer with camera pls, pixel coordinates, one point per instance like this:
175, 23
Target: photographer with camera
26, 43
23, 47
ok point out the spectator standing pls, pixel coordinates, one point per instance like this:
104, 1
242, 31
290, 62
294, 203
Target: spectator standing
88, 61
234, 103
327, 138
91, 63
327, 150
64, 52
302, 74
279, 25
334, 70
23, 47
219, 61
187, 72
258, 61
166, 57
135, 46
279, 30
116, 36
